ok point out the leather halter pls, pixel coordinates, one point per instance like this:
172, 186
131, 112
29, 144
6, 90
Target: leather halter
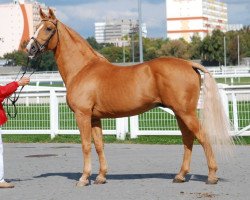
41, 47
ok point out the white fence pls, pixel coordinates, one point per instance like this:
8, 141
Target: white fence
160, 121
230, 75
43, 110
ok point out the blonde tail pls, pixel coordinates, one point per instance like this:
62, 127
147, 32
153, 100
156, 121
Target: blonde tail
214, 120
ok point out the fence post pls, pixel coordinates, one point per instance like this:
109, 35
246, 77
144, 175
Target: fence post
235, 112
121, 128
224, 99
54, 114
134, 126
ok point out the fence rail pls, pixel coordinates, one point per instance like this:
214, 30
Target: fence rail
230, 75
43, 110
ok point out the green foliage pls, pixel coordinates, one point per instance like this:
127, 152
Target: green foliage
16, 58
176, 48
95, 45
210, 50
115, 54
164, 140
150, 47
44, 62
195, 47
245, 41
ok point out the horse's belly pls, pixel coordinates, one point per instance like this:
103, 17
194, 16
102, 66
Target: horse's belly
121, 112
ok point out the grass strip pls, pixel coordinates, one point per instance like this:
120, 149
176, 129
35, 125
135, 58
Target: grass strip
75, 139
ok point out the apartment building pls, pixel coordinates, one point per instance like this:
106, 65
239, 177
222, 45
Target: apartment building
186, 18
18, 21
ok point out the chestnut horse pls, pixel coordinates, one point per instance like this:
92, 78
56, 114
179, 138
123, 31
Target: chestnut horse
98, 89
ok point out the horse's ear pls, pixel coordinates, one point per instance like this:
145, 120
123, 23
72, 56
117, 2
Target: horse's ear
51, 14
42, 14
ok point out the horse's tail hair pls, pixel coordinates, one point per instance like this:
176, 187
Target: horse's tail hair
214, 120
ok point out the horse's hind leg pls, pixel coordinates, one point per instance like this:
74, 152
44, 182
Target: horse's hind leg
98, 141
193, 125
188, 140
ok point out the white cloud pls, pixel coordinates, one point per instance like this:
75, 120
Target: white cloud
153, 14
98, 10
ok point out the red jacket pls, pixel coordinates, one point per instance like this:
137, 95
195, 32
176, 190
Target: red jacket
6, 91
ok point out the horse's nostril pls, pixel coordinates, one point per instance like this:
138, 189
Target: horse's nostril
33, 49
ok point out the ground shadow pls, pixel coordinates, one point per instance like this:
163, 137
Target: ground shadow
76, 176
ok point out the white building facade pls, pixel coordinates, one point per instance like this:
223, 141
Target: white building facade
186, 18
18, 21
114, 31
234, 27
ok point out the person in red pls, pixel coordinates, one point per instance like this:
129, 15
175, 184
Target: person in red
6, 91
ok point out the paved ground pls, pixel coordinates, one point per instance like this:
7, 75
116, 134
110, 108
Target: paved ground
137, 172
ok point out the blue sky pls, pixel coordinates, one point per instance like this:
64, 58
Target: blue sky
81, 14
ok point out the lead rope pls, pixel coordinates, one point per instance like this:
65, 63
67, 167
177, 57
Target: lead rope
11, 100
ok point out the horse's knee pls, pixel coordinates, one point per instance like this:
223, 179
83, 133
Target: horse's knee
99, 148
86, 148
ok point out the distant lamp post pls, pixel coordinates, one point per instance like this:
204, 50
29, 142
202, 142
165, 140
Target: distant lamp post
238, 41
225, 52
140, 31
123, 51
132, 32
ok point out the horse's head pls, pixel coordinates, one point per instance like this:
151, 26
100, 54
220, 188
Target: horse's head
45, 37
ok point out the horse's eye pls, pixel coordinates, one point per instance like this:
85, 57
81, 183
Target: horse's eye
48, 29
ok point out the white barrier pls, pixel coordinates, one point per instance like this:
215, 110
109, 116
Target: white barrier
231, 73
43, 110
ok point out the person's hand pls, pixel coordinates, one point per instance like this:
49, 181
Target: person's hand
24, 81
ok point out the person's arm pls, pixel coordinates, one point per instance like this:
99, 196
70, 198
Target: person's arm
10, 88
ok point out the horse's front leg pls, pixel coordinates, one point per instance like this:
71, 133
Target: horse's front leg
84, 124
98, 141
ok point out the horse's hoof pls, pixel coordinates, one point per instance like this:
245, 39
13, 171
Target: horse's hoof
212, 181
100, 180
179, 179
82, 183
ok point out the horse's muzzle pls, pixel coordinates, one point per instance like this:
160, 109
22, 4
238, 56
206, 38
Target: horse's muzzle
32, 48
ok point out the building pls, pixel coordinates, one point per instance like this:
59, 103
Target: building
18, 21
186, 18
234, 27
115, 31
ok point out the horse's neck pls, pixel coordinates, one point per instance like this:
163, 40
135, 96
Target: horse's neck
73, 53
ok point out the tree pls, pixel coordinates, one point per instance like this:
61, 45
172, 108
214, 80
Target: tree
115, 54
232, 47
17, 58
212, 48
195, 47
95, 45
245, 41
44, 62
150, 47
175, 48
